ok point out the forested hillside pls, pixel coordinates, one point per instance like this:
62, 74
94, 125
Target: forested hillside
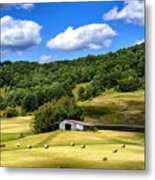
27, 85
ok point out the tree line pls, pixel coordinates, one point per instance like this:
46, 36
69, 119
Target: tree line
25, 86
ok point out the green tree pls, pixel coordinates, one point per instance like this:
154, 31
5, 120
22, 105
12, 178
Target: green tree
40, 98
55, 92
29, 103
81, 90
128, 84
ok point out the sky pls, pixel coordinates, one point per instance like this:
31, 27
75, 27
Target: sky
47, 32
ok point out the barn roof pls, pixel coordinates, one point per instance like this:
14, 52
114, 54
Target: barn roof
77, 122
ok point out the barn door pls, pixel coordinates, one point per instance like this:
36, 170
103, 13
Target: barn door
67, 126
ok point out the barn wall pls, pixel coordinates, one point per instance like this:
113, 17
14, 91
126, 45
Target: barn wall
79, 127
61, 126
74, 126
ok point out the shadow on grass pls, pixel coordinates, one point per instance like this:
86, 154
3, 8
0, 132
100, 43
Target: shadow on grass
95, 111
130, 114
135, 104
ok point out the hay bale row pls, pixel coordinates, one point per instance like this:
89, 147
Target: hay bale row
46, 146
82, 145
114, 151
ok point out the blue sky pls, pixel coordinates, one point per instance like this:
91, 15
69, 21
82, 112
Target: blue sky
46, 32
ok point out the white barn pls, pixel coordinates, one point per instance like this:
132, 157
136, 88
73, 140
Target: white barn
73, 125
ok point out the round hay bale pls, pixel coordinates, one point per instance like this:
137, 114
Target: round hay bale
114, 150
122, 145
46, 146
29, 146
72, 144
83, 146
104, 159
18, 145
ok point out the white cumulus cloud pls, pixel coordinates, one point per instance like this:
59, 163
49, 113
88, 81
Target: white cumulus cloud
25, 6
19, 35
139, 41
47, 58
87, 37
133, 12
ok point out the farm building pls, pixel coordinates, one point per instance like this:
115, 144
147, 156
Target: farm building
68, 124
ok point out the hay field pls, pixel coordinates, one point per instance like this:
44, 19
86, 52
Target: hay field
61, 155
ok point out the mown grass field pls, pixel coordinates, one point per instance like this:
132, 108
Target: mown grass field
61, 155
112, 107
11, 128
16, 125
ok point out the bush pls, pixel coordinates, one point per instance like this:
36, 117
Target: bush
93, 128
10, 112
21, 135
48, 117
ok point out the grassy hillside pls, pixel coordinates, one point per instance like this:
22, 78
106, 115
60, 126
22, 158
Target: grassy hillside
61, 154
16, 125
116, 108
11, 128
112, 107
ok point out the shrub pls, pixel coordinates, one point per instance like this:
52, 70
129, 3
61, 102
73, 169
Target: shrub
93, 128
21, 135
10, 112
